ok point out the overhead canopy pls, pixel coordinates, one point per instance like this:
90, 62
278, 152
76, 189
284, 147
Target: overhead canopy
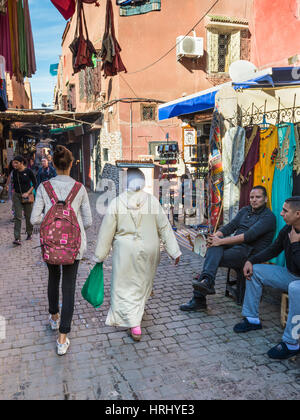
205, 100
44, 117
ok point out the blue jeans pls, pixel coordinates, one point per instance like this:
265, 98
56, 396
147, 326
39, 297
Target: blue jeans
279, 278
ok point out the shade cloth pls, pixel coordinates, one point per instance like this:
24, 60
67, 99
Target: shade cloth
205, 100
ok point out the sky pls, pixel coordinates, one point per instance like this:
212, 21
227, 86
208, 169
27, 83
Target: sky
47, 27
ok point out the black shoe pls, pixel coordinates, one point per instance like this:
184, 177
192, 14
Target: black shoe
29, 237
194, 305
17, 242
246, 326
205, 286
281, 352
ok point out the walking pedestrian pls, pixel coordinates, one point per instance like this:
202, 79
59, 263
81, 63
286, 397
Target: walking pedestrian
134, 224
45, 172
10, 186
65, 190
31, 165
24, 183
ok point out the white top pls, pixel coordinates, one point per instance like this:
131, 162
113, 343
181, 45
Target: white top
62, 185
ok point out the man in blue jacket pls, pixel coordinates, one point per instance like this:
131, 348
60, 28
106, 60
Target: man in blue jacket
45, 172
284, 278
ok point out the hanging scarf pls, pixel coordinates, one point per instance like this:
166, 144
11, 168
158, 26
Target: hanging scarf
67, 7
216, 177
31, 62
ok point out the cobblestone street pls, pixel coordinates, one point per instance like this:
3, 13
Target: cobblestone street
181, 355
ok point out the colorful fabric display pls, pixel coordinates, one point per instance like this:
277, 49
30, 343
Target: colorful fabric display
264, 169
233, 147
251, 158
282, 187
16, 40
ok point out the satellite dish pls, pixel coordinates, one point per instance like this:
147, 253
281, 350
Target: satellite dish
241, 71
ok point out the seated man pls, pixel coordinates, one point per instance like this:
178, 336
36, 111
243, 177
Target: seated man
253, 227
285, 278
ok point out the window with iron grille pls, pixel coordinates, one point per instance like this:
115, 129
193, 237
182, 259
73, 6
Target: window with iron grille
224, 48
148, 112
223, 59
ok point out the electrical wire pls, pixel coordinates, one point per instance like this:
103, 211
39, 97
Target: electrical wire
171, 49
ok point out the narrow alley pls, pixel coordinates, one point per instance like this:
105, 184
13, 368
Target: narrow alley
181, 355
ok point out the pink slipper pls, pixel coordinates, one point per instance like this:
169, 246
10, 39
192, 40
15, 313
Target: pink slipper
136, 333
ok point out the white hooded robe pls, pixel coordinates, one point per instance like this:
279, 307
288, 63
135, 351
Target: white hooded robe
133, 226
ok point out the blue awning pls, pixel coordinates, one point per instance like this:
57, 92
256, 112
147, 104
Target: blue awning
201, 101
205, 100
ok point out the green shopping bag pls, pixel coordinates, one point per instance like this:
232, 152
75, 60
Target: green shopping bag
93, 289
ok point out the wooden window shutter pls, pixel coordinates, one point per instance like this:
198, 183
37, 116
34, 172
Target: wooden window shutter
235, 47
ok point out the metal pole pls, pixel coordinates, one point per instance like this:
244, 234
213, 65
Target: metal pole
131, 147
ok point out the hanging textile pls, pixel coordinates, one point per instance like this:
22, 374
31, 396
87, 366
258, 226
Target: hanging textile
14, 36
216, 182
110, 51
251, 159
67, 7
31, 62
3, 93
22, 39
296, 168
5, 42
233, 147
139, 7
283, 176
264, 169
82, 49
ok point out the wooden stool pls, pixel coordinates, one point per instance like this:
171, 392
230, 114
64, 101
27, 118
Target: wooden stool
284, 309
236, 288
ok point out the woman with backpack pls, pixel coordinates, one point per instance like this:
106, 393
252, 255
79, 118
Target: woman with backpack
67, 214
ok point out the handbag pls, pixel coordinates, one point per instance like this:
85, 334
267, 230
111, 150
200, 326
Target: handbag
82, 49
93, 289
29, 199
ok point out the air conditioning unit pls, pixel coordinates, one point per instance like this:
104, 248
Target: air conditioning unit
189, 46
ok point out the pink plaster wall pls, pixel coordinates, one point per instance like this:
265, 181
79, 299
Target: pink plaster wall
276, 29
144, 39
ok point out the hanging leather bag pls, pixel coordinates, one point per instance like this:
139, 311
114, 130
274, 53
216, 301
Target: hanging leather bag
81, 48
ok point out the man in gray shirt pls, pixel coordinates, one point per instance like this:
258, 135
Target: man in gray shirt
253, 230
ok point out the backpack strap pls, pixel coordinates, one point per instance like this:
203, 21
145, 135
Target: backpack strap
74, 191
50, 191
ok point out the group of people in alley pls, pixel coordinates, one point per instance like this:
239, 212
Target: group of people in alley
134, 226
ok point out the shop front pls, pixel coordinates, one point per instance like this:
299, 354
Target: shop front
253, 140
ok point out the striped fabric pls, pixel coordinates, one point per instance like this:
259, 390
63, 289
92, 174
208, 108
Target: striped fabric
146, 7
182, 237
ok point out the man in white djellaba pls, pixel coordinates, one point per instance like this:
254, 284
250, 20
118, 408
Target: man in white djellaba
133, 226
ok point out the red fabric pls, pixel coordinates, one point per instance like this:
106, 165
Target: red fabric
65, 7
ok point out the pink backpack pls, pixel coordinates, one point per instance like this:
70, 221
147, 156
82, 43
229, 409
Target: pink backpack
60, 233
